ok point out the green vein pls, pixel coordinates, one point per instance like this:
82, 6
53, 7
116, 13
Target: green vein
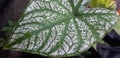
79, 37
59, 44
91, 27
47, 37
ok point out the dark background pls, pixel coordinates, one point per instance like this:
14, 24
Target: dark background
12, 9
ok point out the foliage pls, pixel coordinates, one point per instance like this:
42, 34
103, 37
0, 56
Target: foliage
110, 4
60, 27
117, 27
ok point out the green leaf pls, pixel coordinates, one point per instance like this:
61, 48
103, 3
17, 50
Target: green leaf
60, 28
110, 4
1, 42
11, 23
117, 27
6, 29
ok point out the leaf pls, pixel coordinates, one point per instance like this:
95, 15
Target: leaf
9, 27
110, 4
117, 27
1, 42
60, 28
6, 29
11, 23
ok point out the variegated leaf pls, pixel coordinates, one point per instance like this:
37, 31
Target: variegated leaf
60, 27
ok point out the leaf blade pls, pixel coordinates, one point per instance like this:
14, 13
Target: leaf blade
55, 30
